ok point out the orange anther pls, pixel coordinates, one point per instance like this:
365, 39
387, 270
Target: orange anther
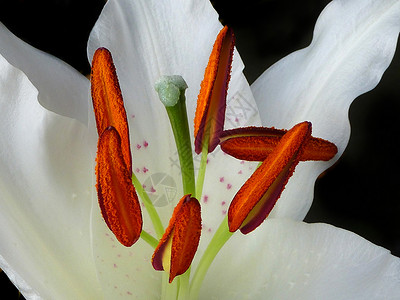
116, 194
211, 102
178, 245
256, 143
107, 100
256, 198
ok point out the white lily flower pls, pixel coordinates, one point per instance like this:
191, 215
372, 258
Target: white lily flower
54, 242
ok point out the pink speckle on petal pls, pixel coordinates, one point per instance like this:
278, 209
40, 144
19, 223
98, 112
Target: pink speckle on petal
145, 144
205, 198
223, 203
242, 162
152, 190
221, 179
137, 170
145, 170
224, 212
129, 293
209, 230
237, 120
132, 116
138, 146
115, 266
228, 186
240, 172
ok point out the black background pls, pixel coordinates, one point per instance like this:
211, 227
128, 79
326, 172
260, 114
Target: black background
360, 193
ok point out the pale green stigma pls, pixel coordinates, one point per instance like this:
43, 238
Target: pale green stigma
170, 88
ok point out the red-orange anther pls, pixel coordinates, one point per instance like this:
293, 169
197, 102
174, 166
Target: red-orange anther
256, 198
117, 197
178, 245
256, 143
107, 100
211, 102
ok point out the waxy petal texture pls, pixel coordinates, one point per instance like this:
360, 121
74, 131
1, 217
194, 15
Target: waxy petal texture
62, 89
256, 143
211, 102
256, 198
118, 201
178, 245
108, 105
353, 44
45, 196
303, 261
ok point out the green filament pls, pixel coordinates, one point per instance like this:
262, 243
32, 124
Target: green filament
221, 236
149, 239
154, 217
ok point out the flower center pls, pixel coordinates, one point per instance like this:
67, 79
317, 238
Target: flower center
175, 247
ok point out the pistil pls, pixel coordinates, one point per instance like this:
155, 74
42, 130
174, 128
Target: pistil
171, 91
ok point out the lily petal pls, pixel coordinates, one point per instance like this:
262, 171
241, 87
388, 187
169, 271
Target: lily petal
295, 260
45, 195
353, 44
52, 77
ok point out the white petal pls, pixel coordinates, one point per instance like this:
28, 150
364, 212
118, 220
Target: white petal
353, 44
52, 77
148, 39
45, 195
295, 260
124, 272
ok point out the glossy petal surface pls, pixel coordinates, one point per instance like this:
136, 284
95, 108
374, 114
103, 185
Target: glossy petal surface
303, 261
353, 44
46, 188
52, 77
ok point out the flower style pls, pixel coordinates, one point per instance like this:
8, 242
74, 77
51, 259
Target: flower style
55, 243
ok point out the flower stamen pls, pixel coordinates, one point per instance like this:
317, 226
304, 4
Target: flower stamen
256, 198
211, 102
107, 99
177, 247
256, 143
117, 197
